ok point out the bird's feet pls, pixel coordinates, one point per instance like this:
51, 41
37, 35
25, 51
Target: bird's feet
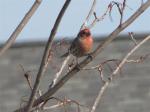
74, 63
78, 67
77, 64
90, 56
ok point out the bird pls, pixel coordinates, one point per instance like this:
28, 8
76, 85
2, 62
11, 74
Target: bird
81, 45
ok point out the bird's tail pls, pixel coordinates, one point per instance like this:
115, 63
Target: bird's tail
65, 55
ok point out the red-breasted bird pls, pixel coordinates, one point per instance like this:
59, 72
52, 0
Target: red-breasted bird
81, 45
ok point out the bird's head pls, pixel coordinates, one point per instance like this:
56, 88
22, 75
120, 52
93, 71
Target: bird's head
85, 33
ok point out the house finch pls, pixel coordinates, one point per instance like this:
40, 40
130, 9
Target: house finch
81, 45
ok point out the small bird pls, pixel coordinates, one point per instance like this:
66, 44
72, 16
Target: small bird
81, 45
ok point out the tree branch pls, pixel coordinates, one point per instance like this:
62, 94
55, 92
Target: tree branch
106, 84
19, 28
99, 96
57, 75
45, 56
89, 14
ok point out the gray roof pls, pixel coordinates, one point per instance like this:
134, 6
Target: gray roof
129, 91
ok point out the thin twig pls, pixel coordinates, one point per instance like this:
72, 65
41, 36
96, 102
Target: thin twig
99, 96
132, 37
19, 28
57, 75
97, 19
28, 79
65, 102
89, 14
46, 55
101, 64
61, 103
99, 49
106, 84
113, 35
130, 53
27, 76
122, 11
121, 8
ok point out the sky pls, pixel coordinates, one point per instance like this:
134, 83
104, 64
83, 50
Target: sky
40, 25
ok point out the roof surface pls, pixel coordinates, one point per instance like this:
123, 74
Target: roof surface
129, 91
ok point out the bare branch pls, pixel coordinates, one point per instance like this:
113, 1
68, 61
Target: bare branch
61, 103
113, 35
89, 14
132, 37
97, 19
101, 92
122, 11
121, 8
46, 55
19, 28
130, 53
57, 75
106, 84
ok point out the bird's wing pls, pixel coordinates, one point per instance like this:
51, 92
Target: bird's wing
73, 44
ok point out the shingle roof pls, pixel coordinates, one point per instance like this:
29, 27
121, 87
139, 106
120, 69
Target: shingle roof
129, 91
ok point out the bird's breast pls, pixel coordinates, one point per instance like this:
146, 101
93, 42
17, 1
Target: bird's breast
86, 44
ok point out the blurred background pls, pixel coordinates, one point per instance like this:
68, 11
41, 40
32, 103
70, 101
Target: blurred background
129, 92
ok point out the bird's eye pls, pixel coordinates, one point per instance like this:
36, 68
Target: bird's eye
87, 34
83, 33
